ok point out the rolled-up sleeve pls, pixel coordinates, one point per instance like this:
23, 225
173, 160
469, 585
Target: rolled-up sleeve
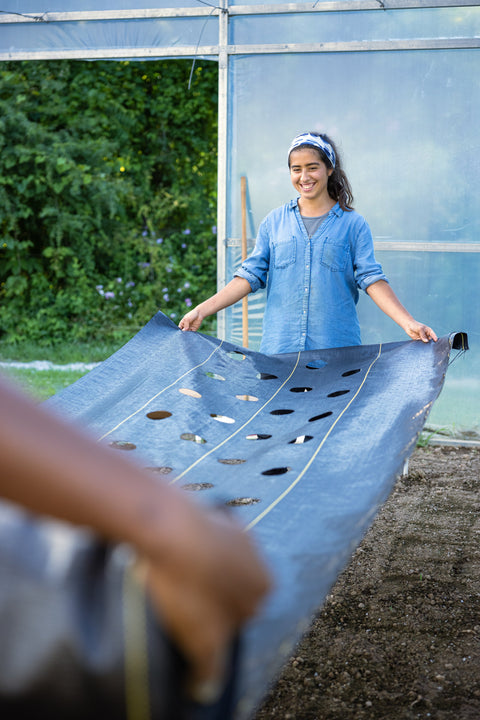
255, 268
367, 269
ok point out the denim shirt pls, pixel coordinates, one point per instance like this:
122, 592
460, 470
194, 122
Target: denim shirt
312, 283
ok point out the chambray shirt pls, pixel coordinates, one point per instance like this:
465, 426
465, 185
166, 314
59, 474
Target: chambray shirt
312, 283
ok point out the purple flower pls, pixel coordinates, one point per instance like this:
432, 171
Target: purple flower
187, 231
214, 229
119, 280
144, 233
188, 302
109, 295
130, 284
159, 241
166, 298
186, 285
164, 289
144, 265
169, 269
184, 245
99, 289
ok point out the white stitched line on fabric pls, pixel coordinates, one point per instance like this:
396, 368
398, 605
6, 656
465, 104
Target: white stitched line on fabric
159, 393
178, 477
137, 691
302, 473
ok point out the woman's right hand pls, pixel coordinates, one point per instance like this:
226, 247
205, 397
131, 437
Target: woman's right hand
191, 321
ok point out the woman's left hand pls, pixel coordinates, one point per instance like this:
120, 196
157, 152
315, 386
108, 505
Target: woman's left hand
418, 331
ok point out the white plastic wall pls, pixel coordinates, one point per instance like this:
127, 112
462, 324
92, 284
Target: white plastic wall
395, 83
407, 124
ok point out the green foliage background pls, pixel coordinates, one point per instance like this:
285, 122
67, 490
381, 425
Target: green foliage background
107, 196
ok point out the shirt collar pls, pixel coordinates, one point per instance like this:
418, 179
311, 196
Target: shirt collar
335, 209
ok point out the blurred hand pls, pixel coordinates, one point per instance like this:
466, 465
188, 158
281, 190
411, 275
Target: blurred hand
204, 576
205, 588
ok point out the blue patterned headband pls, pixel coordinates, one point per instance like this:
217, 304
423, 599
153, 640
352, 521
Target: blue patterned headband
315, 141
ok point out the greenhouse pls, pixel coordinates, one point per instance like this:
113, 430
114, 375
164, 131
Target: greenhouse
394, 82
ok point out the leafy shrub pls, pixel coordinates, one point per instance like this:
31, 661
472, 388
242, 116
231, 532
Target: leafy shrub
107, 195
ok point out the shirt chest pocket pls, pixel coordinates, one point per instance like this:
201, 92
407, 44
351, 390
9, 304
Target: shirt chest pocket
284, 253
334, 255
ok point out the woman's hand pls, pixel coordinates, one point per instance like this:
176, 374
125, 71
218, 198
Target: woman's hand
191, 321
418, 331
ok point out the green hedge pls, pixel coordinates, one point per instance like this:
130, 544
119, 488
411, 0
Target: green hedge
107, 195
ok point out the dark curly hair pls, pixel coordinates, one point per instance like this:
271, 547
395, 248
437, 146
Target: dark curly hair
338, 185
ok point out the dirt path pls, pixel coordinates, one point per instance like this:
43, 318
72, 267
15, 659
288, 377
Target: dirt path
399, 636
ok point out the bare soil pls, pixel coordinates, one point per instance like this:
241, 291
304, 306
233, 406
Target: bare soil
398, 638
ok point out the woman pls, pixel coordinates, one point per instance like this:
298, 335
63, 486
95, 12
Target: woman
313, 255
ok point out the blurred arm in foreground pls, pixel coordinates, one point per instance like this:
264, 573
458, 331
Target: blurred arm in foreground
204, 575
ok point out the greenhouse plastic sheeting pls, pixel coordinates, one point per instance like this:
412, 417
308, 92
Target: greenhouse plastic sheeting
108, 36
302, 447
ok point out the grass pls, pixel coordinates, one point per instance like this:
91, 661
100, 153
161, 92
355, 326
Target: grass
424, 438
41, 384
27, 351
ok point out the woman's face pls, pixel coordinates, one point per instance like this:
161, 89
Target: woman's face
309, 174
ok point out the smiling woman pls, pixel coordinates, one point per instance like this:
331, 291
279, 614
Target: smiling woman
313, 255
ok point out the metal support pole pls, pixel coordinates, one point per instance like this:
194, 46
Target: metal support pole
222, 157
243, 188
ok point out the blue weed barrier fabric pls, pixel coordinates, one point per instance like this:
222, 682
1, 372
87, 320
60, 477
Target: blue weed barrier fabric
302, 447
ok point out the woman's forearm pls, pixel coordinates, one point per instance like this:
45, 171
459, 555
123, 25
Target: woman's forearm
384, 297
234, 291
